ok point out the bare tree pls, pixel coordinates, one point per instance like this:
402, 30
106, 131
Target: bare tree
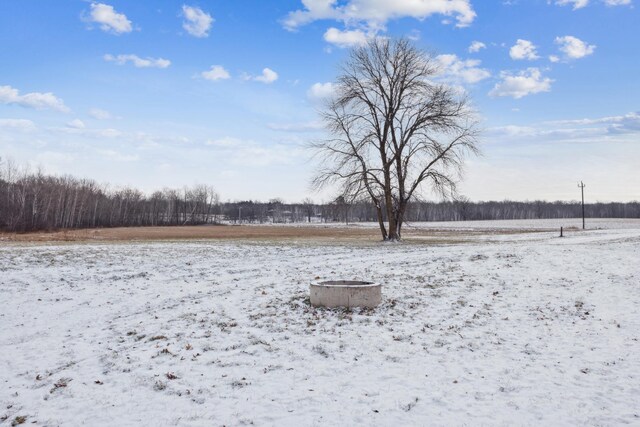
393, 131
309, 207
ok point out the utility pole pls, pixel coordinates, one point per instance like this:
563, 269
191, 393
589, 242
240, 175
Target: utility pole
581, 187
240, 214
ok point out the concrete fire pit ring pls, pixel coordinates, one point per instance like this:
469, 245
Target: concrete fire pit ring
345, 293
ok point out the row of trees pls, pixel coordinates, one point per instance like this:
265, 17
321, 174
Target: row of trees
34, 201
459, 210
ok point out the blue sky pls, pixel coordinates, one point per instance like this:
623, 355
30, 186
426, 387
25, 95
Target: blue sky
166, 93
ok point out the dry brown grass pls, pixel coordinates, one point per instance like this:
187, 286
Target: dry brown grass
253, 232
192, 233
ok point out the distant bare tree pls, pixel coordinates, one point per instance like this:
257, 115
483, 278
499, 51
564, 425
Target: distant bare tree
393, 130
463, 208
309, 206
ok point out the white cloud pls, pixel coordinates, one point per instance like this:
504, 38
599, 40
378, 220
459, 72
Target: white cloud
109, 19
100, 114
375, 13
117, 156
35, 100
225, 142
246, 152
196, 21
345, 38
93, 133
628, 123
414, 35
22, 125
511, 131
617, 2
573, 47
523, 49
151, 141
255, 155
137, 61
593, 131
319, 91
217, 72
526, 82
553, 58
577, 4
461, 71
76, 124
55, 161
540, 133
476, 46
296, 127
268, 76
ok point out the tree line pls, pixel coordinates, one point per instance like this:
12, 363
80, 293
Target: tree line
35, 201
31, 201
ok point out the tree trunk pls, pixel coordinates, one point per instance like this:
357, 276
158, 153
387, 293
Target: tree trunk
391, 218
383, 229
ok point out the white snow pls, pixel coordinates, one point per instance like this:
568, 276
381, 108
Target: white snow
524, 329
507, 224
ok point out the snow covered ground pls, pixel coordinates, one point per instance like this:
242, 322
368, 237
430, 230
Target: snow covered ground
510, 224
534, 224
526, 329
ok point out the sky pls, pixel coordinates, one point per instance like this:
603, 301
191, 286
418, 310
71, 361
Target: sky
227, 92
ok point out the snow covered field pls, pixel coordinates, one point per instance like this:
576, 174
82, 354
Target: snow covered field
511, 224
525, 329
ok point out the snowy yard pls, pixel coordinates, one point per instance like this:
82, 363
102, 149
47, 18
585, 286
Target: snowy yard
520, 329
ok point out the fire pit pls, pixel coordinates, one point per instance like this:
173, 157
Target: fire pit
345, 293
